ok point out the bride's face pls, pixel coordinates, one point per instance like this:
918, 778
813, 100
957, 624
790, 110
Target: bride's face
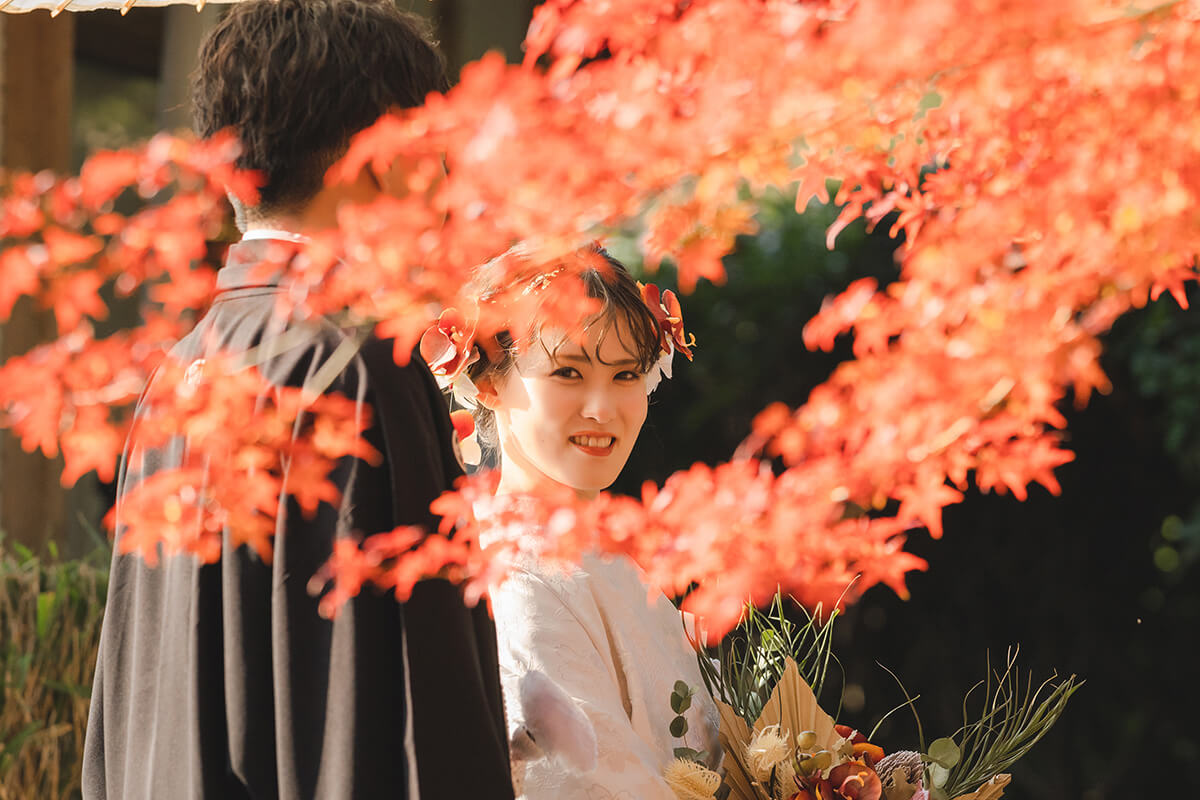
570, 414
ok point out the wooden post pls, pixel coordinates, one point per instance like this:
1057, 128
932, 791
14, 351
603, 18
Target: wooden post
182, 33
36, 82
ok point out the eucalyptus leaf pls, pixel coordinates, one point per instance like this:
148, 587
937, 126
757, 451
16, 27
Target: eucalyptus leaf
680, 703
687, 754
679, 726
944, 752
938, 775
930, 100
682, 689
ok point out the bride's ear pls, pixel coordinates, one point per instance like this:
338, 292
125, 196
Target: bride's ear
486, 393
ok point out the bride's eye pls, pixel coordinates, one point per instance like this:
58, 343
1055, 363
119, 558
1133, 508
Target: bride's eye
565, 372
627, 375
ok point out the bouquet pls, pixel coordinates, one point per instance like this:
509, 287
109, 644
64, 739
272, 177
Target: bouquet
779, 744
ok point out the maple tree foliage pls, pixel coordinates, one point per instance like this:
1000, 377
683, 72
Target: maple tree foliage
62, 242
1040, 161
260, 442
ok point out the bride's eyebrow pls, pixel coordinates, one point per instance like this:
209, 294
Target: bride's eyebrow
582, 358
586, 359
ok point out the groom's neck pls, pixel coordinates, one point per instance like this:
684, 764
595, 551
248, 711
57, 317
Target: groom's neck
320, 212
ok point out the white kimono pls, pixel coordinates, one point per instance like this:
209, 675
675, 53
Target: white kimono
600, 636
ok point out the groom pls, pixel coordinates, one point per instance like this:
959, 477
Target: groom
222, 681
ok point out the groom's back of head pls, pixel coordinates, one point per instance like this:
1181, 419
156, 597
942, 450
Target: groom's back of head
296, 79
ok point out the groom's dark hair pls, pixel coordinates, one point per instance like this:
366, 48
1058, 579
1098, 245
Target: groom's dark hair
296, 79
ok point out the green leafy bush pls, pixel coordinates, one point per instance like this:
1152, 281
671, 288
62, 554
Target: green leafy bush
50, 613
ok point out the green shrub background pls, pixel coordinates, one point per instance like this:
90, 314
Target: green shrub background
50, 614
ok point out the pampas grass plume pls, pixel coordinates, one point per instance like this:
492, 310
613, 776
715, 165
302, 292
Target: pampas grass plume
690, 780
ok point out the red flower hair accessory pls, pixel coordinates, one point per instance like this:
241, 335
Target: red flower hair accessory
664, 305
666, 309
448, 346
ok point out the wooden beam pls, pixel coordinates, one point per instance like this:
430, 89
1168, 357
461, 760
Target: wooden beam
36, 87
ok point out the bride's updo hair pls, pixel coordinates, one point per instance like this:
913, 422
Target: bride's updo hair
603, 278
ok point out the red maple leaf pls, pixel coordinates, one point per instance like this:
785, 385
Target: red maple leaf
18, 276
308, 480
923, 503
106, 174
65, 247
92, 442
186, 290
75, 295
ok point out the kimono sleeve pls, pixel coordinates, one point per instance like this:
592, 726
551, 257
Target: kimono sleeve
559, 634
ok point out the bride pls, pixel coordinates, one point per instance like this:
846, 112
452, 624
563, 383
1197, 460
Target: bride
564, 408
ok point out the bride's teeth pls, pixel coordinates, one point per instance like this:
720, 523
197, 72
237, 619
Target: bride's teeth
593, 441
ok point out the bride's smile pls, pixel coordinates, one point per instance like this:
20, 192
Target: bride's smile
594, 444
570, 411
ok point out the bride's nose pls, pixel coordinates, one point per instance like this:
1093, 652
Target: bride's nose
598, 406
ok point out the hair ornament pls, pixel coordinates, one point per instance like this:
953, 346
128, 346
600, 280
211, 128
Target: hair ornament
540, 281
448, 347
664, 305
